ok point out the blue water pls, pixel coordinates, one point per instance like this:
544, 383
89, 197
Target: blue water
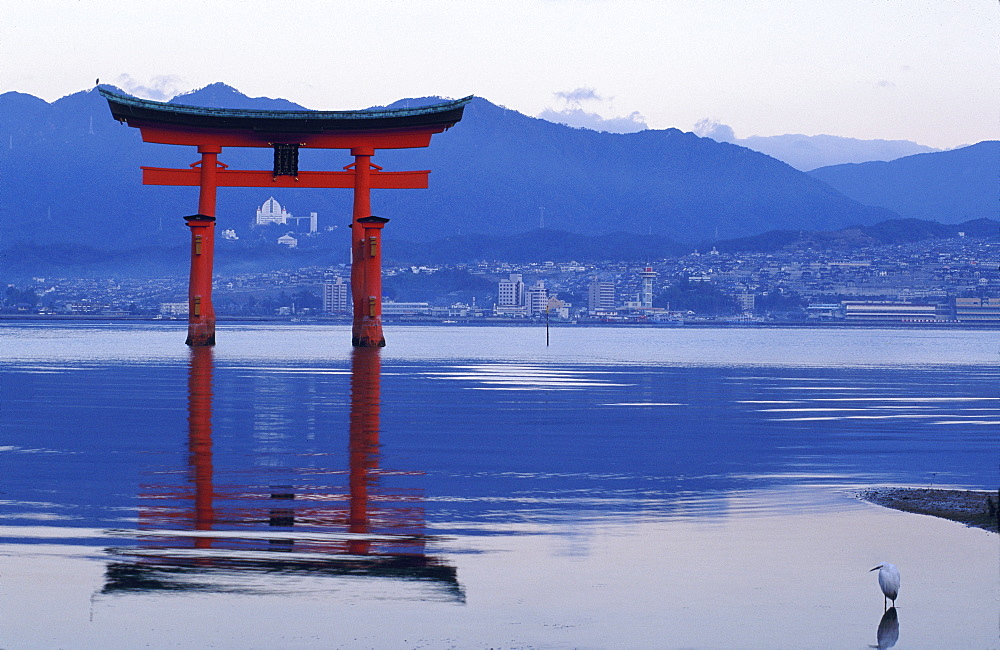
282, 453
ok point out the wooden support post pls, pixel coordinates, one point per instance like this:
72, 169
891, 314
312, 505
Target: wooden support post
362, 209
201, 313
370, 323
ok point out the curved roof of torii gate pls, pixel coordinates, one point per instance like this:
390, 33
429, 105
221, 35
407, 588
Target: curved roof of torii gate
258, 127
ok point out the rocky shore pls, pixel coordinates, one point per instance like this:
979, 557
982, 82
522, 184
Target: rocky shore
980, 509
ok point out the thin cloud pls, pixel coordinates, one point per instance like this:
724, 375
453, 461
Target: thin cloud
159, 88
575, 116
580, 119
578, 95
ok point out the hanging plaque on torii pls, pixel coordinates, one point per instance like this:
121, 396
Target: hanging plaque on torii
286, 132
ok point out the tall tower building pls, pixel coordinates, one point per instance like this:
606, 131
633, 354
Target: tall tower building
336, 297
646, 299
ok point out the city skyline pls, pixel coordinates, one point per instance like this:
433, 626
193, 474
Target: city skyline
857, 69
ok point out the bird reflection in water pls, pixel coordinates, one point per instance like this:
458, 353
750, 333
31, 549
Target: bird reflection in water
888, 629
193, 535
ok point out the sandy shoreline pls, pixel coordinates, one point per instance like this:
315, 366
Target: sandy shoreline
980, 509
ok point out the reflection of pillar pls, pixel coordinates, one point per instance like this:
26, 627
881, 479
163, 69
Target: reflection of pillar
363, 445
201, 314
200, 439
369, 257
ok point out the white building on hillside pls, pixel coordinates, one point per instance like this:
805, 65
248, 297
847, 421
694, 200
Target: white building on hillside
271, 212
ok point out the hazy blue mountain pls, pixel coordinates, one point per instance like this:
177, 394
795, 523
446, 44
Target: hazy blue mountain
495, 171
537, 245
893, 231
806, 152
70, 174
946, 186
219, 95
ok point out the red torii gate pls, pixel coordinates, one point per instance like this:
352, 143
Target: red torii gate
362, 132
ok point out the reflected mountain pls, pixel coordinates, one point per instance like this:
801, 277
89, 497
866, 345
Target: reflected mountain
211, 528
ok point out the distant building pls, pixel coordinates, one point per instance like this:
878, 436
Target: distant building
648, 275
536, 299
601, 297
510, 297
559, 308
510, 292
229, 234
825, 310
888, 311
271, 212
977, 309
746, 301
390, 308
174, 308
337, 297
288, 240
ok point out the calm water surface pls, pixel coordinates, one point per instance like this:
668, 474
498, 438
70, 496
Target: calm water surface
471, 487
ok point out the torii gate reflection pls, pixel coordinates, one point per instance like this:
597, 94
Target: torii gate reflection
361, 132
202, 530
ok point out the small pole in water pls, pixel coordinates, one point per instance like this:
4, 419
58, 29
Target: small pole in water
546, 325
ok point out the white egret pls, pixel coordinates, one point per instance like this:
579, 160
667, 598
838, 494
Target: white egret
888, 580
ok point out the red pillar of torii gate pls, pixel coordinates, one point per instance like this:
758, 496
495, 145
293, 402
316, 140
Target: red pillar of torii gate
362, 132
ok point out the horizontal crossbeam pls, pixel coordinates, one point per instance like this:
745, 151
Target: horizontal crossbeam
392, 139
410, 180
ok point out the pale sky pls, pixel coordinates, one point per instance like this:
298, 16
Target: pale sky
921, 70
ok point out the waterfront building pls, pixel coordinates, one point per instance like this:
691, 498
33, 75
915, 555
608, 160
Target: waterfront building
746, 301
510, 292
891, 311
648, 275
601, 296
537, 299
174, 308
390, 308
977, 309
559, 308
824, 311
337, 297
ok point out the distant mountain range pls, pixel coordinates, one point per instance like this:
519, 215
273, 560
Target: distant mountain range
72, 172
893, 231
69, 176
807, 152
948, 186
